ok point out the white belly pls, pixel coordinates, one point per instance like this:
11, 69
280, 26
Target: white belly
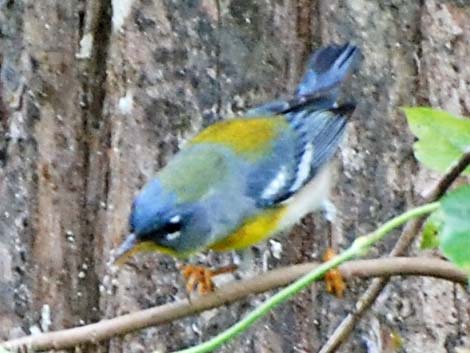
309, 198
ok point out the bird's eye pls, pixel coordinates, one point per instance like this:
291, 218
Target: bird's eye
172, 226
172, 229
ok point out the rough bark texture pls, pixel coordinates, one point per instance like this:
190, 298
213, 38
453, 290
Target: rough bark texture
95, 96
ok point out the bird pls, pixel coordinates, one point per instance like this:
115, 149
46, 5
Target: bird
242, 180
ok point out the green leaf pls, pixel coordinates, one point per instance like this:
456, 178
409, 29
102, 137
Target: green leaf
3, 350
455, 235
443, 137
431, 230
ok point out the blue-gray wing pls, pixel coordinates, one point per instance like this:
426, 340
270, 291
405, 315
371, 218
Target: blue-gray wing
298, 154
316, 126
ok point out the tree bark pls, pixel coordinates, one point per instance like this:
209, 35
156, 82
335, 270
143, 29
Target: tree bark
96, 96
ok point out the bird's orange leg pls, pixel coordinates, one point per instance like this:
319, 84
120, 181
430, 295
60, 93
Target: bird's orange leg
333, 279
200, 277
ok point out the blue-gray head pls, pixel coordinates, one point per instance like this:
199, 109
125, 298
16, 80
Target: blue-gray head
159, 223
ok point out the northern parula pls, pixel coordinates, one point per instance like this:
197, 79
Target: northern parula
242, 180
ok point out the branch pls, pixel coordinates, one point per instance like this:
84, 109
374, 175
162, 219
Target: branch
358, 247
410, 231
229, 293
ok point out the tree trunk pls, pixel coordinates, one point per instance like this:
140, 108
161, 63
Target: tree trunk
96, 96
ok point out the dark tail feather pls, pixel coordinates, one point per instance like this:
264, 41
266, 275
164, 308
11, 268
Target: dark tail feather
326, 69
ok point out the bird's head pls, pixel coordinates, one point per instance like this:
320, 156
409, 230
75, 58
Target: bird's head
159, 223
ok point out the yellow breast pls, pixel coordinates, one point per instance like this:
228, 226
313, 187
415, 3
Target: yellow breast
253, 230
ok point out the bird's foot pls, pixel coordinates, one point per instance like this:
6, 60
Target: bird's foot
200, 277
333, 279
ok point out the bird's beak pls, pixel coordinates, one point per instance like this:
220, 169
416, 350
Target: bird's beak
127, 249
132, 245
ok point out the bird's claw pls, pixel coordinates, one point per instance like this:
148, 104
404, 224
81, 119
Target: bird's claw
333, 279
200, 277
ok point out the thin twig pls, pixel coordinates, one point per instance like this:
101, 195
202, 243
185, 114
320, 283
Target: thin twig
344, 329
229, 293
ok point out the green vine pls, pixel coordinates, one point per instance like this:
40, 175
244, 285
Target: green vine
358, 248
